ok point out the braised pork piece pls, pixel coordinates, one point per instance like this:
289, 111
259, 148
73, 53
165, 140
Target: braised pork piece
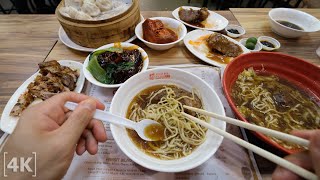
217, 42
155, 32
193, 16
53, 79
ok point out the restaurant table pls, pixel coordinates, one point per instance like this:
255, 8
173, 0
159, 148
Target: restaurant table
29, 39
256, 23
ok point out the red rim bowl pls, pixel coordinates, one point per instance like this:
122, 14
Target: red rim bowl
300, 73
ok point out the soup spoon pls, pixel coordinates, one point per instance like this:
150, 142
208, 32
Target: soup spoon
147, 129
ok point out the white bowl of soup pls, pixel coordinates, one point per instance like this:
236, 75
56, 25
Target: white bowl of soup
292, 23
154, 94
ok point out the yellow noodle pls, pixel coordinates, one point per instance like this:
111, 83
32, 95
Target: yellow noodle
182, 136
256, 103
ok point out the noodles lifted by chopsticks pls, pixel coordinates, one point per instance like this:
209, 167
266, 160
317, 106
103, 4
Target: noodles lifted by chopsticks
164, 104
273, 103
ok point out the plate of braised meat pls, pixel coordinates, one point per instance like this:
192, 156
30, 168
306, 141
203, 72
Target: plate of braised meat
213, 48
200, 18
52, 78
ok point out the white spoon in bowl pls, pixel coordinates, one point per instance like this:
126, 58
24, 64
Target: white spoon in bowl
147, 129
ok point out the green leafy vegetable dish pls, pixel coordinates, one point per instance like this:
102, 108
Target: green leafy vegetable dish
114, 65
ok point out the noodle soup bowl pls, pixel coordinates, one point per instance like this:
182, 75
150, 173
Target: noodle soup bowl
296, 72
186, 81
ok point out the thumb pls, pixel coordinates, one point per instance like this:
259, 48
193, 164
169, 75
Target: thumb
314, 149
73, 127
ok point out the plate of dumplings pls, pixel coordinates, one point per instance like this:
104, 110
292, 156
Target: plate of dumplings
94, 10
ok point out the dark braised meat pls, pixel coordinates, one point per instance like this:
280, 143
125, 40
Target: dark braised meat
193, 16
216, 42
121, 66
155, 32
68, 76
53, 79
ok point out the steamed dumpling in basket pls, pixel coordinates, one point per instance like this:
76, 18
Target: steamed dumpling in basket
96, 9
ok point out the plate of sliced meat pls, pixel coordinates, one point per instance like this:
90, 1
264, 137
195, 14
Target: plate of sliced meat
52, 78
200, 18
212, 47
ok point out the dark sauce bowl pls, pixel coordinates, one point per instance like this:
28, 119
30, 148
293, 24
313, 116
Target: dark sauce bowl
304, 20
300, 73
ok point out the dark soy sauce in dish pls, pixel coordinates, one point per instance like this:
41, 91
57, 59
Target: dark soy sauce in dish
268, 44
234, 31
290, 25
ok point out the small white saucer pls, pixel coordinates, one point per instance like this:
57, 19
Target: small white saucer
275, 42
240, 29
257, 47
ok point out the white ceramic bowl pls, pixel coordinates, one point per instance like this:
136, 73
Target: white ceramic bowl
182, 79
257, 47
170, 23
275, 42
91, 79
240, 29
304, 20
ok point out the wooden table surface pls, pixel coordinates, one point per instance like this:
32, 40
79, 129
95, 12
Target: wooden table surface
29, 39
256, 23
25, 41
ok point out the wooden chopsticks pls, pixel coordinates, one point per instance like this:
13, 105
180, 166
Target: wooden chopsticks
263, 130
271, 157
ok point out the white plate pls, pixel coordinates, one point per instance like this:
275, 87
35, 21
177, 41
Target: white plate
194, 35
93, 80
7, 122
69, 43
214, 22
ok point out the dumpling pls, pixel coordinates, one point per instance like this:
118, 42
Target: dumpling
73, 3
89, 1
104, 5
69, 11
90, 9
83, 16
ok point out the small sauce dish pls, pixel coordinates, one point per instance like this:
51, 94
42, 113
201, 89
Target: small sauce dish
235, 31
268, 43
257, 47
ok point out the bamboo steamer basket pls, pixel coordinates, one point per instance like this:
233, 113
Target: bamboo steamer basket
94, 34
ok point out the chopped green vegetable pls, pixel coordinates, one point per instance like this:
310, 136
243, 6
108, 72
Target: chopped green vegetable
96, 70
114, 49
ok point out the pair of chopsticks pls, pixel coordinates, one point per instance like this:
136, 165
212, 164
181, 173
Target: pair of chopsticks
276, 159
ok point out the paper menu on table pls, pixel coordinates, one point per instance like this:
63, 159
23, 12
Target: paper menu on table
229, 162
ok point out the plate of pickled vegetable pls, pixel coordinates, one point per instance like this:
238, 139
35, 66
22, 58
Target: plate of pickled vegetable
112, 64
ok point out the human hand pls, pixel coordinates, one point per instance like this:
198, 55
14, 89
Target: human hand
309, 160
55, 133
